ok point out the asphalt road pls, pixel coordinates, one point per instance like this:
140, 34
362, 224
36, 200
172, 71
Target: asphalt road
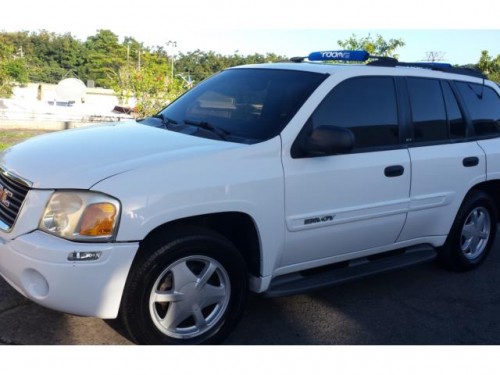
421, 305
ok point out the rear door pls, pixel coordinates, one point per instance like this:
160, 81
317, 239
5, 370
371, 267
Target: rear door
445, 162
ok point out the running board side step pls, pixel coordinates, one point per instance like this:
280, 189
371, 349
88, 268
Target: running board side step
309, 280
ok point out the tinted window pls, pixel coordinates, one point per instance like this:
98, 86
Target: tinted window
365, 105
483, 104
428, 110
250, 105
456, 122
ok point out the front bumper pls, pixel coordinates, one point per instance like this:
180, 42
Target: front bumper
36, 264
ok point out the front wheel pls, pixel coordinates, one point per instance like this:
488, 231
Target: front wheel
472, 234
190, 289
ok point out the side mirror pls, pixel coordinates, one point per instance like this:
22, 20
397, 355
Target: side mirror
328, 140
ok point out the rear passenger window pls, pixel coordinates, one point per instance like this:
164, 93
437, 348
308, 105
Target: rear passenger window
365, 105
456, 122
483, 104
428, 110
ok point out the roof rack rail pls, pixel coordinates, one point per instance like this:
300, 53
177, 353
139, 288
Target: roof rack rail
384, 61
441, 67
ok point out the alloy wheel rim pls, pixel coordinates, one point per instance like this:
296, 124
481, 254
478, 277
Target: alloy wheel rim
190, 297
475, 233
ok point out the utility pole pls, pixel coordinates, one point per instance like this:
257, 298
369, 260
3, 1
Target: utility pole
128, 64
19, 53
172, 43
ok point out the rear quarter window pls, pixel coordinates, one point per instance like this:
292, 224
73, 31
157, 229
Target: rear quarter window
483, 104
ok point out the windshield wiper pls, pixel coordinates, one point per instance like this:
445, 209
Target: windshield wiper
221, 133
166, 121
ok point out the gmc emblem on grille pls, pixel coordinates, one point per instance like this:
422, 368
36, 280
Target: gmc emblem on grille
5, 195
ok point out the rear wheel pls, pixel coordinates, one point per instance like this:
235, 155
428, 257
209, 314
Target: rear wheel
472, 234
189, 289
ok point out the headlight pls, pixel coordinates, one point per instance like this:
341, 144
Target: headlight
81, 216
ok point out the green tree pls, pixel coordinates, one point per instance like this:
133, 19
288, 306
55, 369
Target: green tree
149, 82
12, 67
17, 70
104, 56
43, 58
68, 53
136, 51
490, 66
377, 46
6, 82
48, 57
152, 90
200, 65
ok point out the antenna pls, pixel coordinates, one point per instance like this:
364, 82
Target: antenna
433, 56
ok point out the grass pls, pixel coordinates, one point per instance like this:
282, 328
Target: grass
11, 137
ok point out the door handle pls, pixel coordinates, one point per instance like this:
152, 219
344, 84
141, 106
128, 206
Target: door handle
394, 171
470, 161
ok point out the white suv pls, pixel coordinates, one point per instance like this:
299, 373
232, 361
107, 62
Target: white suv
275, 179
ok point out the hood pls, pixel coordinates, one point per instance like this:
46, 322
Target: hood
80, 158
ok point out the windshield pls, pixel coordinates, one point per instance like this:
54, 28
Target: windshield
241, 105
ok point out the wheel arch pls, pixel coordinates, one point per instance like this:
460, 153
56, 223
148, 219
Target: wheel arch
492, 188
465, 249
238, 227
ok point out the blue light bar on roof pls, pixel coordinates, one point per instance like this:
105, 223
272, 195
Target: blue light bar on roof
339, 56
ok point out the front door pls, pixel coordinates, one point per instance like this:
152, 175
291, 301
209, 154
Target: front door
349, 203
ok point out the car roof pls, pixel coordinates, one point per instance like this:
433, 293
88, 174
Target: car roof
364, 69
366, 63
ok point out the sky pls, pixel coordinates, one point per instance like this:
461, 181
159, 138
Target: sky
286, 27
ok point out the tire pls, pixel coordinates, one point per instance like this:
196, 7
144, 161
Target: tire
472, 234
188, 287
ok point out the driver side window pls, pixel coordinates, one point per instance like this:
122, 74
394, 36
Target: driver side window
367, 107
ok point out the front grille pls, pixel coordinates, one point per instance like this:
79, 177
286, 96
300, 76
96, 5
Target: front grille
13, 191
